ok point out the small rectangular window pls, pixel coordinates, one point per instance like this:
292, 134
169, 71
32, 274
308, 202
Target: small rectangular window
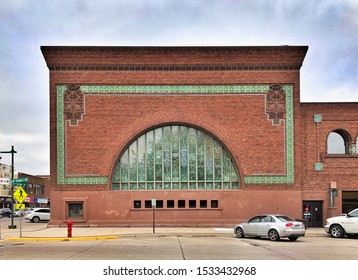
192, 203
170, 203
159, 204
148, 204
214, 204
137, 204
181, 203
75, 210
203, 204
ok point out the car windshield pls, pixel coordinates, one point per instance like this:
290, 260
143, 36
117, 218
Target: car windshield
255, 219
284, 218
354, 213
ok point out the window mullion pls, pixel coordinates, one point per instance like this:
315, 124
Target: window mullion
222, 166
196, 160
163, 157
188, 157
129, 169
154, 158
145, 160
205, 162
137, 162
179, 155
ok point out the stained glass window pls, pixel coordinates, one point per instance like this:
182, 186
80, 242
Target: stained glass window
175, 158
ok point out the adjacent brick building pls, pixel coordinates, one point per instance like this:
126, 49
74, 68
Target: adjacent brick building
210, 135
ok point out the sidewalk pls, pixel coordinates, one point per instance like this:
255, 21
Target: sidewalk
97, 233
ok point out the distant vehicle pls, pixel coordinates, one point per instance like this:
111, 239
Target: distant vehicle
28, 210
38, 214
273, 226
22, 212
343, 225
17, 213
5, 212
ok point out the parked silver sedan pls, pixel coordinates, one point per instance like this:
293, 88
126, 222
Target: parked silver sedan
273, 226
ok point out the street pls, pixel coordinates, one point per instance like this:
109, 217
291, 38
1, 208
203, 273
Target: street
192, 255
183, 248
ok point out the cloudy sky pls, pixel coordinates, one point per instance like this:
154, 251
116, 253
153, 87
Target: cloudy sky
328, 27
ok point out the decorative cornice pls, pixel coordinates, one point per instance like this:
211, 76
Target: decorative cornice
256, 58
168, 68
175, 49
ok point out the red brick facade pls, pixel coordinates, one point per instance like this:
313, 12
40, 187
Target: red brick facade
248, 98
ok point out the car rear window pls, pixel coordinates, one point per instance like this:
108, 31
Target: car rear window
284, 218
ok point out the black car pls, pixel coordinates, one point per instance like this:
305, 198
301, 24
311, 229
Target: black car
5, 212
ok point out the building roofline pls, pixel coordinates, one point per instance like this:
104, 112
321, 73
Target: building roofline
173, 58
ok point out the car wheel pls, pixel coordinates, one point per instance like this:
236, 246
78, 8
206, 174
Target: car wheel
35, 219
336, 231
239, 232
273, 235
293, 238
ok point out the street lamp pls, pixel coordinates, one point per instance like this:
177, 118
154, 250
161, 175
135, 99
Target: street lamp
12, 152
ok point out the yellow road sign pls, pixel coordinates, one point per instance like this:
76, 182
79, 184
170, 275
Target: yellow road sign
20, 194
20, 206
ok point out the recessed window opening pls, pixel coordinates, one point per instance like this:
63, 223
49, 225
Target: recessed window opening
192, 203
75, 209
337, 143
181, 203
170, 203
159, 204
214, 204
148, 204
137, 204
203, 203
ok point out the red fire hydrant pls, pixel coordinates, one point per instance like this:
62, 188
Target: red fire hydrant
69, 228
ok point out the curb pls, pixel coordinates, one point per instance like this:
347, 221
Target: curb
104, 237
83, 238
132, 235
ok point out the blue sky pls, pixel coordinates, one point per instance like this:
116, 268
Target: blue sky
329, 28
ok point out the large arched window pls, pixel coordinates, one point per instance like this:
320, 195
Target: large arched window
175, 157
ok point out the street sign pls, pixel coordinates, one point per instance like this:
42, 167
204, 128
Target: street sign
20, 194
20, 181
20, 206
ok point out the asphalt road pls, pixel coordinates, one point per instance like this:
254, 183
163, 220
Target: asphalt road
183, 248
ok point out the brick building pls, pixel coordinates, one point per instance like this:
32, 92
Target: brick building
37, 190
211, 135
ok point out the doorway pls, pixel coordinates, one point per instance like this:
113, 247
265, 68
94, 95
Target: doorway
312, 213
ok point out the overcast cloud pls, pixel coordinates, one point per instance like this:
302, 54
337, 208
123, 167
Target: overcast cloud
329, 28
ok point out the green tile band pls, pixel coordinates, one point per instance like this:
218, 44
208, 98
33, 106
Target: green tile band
288, 178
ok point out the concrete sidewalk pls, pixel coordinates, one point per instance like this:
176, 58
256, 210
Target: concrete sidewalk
97, 233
